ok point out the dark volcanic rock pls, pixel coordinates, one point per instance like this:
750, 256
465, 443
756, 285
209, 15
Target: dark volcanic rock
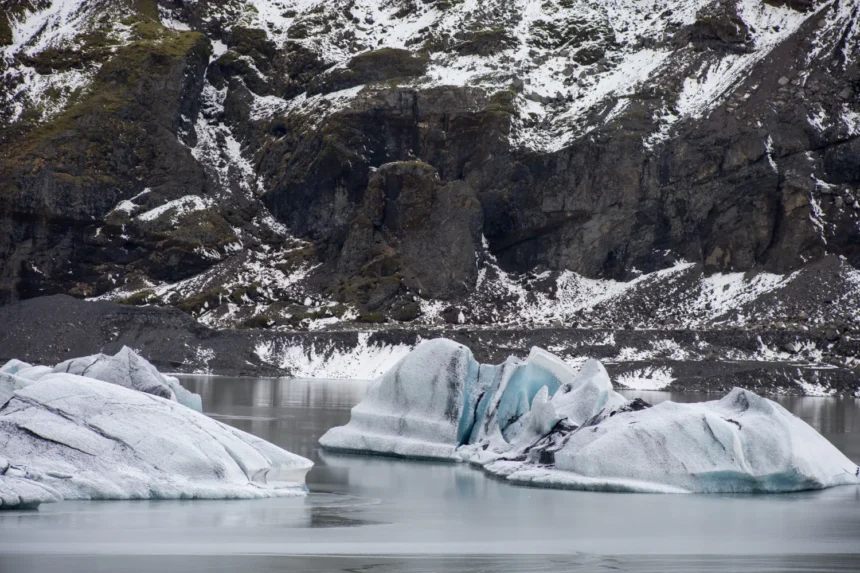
800, 5
413, 228
315, 164
376, 66
59, 181
48, 330
717, 27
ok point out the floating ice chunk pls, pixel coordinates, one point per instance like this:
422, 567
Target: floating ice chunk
415, 408
8, 385
437, 402
80, 438
742, 443
592, 394
513, 390
130, 370
18, 493
125, 368
518, 391
540, 420
13, 366
543, 414
183, 396
438, 398
552, 364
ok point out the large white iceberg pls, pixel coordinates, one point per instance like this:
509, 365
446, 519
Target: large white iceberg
67, 436
128, 369
538, 422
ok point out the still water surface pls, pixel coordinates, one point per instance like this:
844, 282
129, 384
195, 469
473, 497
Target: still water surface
376, 514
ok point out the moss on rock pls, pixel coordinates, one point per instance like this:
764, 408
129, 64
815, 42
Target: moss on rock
203, 301
5, 30
375, 66
140, 298
372, 318
486, 43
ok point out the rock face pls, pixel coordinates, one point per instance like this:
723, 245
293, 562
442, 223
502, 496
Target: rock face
262, 165
63, 179
412, 227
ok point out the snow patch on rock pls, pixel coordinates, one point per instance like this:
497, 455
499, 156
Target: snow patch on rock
648, 378
176, 209
364, 361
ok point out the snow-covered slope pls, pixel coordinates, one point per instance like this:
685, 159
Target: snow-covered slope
571, 60
679, 164
59, 28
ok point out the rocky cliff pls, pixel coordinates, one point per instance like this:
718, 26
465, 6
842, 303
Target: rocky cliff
294, 164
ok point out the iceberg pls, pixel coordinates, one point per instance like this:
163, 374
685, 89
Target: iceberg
68, 436
539, 422
125, 368
128, 369
13, 366
438, 398
414, 410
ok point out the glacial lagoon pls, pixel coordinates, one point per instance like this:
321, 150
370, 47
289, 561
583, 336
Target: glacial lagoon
379, 514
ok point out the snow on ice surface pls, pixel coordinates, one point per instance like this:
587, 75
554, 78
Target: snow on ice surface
585, 436
742, 443
14, 366
126, 369
68, 436
414, 409
129, 370
438, 397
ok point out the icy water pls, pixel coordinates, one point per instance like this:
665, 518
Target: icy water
379, 515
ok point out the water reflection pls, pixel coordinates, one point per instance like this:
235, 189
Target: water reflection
585, 563
292, 413
398, 515
295, 412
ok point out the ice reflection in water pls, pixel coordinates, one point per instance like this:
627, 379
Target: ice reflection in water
395, 515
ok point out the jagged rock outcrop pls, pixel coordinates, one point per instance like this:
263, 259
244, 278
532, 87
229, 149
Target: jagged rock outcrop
412, 234
62, 180
300, 165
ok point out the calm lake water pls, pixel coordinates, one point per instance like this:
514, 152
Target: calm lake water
380, 515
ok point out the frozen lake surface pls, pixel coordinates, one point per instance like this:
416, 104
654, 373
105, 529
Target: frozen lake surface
378, 514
